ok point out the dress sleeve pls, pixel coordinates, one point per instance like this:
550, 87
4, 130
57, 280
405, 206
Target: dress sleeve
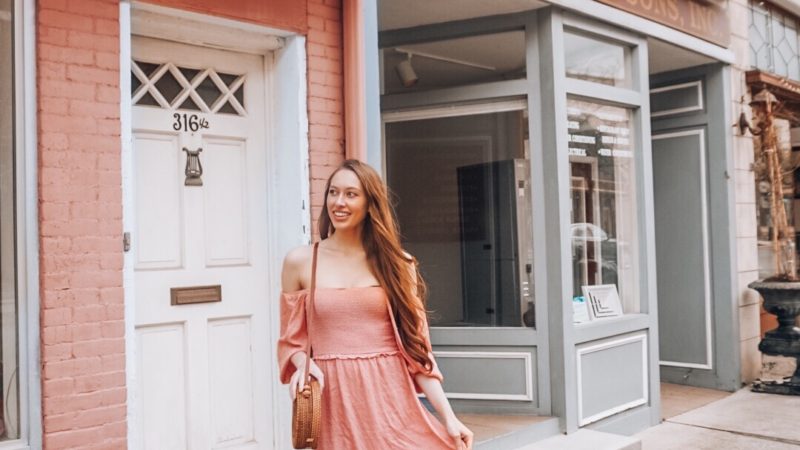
294, 335
415, 368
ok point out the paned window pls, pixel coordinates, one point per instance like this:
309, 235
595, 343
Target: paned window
171, 87
774, 41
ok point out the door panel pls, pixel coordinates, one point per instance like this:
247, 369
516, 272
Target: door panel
696, 241
204, 366
679, 185
159, 206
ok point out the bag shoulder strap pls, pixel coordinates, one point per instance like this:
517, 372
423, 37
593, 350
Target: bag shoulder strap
309, 306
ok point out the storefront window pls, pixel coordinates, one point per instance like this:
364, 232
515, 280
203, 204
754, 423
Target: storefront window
598, 61
774, 40
454, 62
603, 193
463, 202
9, 408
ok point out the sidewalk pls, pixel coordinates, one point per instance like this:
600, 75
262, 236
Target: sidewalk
742, 421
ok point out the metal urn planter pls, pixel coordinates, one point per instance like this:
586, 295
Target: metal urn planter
782, 299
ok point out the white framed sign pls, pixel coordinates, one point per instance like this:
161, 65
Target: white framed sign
602, 301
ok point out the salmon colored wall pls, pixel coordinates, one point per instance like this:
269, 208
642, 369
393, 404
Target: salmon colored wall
288, 15
325, 96
80, 218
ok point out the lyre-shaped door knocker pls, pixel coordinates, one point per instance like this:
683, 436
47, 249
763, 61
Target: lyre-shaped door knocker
194, 170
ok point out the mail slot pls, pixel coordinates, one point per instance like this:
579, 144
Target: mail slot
195, 294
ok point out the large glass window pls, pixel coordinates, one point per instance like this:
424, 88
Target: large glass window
603, 193
591, 59
9, 378
463, 202
454, 62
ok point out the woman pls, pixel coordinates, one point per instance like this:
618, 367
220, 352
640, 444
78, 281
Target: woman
370, 344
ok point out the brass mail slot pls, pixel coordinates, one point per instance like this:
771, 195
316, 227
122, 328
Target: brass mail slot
195, 294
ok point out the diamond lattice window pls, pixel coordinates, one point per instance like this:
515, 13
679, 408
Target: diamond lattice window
774, 41
171, 87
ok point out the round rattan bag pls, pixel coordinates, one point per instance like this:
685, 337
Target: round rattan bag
306, 415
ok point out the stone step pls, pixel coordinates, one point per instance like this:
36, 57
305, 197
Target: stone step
586, 440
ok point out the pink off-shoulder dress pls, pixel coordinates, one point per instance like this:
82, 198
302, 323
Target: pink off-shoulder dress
369, 400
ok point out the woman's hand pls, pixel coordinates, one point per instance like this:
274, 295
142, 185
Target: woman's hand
461, 435
298, 378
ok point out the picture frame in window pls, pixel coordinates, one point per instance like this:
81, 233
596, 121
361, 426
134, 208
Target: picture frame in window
603, 301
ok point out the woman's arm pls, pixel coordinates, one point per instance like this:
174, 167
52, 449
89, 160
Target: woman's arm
432, 388
294, 266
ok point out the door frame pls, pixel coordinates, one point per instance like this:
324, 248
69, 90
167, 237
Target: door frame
724, 371
287, 181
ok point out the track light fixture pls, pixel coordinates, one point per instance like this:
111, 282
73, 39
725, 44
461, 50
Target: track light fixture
405, 71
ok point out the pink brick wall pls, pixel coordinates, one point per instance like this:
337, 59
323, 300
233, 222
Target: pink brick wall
80, 211
80, 206
325, 96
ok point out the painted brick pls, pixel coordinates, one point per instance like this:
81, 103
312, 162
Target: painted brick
65, 20
59, 53
80, 223
95, 8
91, 41
107, 61
60, 5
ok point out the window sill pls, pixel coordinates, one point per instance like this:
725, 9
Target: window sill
599, 329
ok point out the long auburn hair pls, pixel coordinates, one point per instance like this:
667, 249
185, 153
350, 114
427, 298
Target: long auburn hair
392, 267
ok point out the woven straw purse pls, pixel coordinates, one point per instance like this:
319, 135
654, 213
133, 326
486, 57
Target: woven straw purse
307, 406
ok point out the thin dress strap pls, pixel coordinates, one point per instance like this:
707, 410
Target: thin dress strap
309, 306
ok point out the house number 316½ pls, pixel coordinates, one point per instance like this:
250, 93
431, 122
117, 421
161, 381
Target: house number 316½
186, 122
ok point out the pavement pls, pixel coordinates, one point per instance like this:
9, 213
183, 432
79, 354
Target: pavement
744, 420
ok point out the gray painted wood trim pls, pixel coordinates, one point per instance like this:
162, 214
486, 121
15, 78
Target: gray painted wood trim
585, 24
599, 329
372, 81
539, 239
551, 188
644, 169
605, 345
608, 94
454, 30
699, 132
726, 374
698, 106
471, 93
27, 223
529, 376
527, 337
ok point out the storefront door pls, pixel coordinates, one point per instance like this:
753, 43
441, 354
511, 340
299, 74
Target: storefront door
692, 228
203, 377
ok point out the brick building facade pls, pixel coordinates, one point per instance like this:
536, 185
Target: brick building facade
87, 336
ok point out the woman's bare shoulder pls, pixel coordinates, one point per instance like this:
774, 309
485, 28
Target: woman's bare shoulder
298, 256
294, 266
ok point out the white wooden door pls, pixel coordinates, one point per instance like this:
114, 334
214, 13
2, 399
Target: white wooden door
202, 369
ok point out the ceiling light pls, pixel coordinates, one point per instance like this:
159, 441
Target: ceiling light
405, 71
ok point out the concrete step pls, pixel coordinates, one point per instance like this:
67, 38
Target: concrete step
586, 440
